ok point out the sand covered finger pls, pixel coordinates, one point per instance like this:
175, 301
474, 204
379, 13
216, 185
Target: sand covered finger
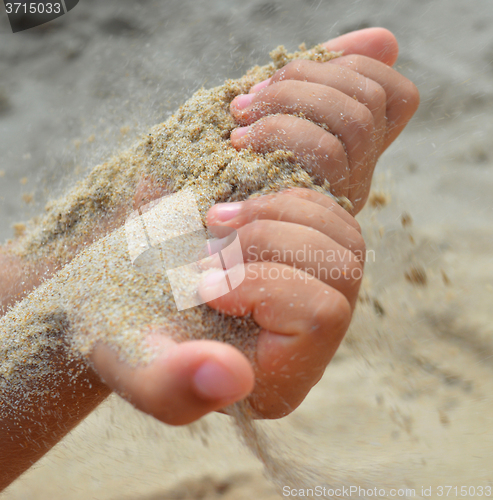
345, 80
300, 247
402, 94
325, 201
303, 248
293, 209
303, 321
344, 117
320, 153
266, 289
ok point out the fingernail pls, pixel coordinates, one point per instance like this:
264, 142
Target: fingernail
260, 86
219, 244
213, 285
239, 132
213, 280
243, 101
226, 211
213, 381
211, 262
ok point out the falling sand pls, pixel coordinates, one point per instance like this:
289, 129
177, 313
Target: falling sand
98, 295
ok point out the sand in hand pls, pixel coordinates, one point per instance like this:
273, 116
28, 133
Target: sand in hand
99, 294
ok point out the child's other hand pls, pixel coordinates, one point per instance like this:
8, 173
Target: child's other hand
304, 258
358, 97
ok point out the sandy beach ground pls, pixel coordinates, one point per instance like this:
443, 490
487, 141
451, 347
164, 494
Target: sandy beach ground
408, 400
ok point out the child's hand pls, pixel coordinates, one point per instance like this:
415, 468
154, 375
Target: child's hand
304, 258
359, 98
194, 378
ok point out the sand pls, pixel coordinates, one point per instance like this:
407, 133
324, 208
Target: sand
408, 396
100, 296
100, 292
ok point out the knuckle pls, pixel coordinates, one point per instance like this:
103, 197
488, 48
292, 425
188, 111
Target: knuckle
358, 247
348, 272
254, 274
378, 96
353, 61
330, 146
361, 125
357, 227
359, 59
269, 133
293, 70
278, 93
354, 270
254, 237
365, 120
333, 315
273, 124
407, 94
413, 97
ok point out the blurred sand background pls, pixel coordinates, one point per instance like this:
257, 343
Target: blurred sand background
408, 400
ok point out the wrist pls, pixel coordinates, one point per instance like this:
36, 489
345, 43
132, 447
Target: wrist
44, 392
36, 416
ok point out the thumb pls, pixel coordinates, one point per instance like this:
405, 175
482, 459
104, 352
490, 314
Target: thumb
183, 382
377, 43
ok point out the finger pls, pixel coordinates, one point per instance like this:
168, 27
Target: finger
377, 43
325, 201
302, 248
347, 119
351, 83
402, 94
290, 208
319, 152
184, 381
303, 322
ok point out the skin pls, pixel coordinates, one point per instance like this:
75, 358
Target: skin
191, 379
358, 97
